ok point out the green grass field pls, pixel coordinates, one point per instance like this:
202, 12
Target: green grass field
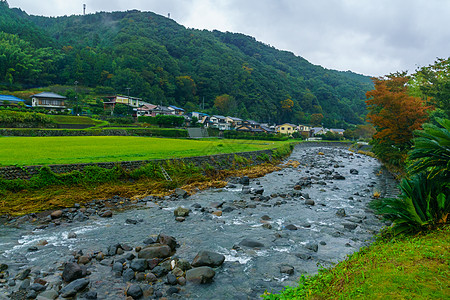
61, 119
27, 151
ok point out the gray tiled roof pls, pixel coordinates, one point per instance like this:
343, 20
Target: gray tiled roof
48, 95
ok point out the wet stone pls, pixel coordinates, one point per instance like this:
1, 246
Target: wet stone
290, 227
340, 212
171, 279
128, 275
91, 295
251, 243
74, 287
287, 269
135, 291
71, 272
208, 258
313, 246
200, 275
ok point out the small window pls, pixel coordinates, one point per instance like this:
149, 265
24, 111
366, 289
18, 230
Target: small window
282, 128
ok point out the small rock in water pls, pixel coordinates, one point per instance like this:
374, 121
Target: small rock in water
267, 226
291, 227
251, 244
181, 212
265, 218
313, 246
180, 219
71, 235
131, 221
354, 171
244, 180
340, 212
310, 202
287, 269
350, 226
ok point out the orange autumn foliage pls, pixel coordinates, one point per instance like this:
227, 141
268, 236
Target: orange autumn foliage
394, 113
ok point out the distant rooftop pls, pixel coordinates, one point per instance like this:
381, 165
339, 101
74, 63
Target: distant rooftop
10, 98
48, 95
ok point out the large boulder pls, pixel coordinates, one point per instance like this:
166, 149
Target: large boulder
208, 258
200, 275
155, 251
71, 272
74, 287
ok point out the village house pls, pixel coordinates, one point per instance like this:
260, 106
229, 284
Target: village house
219, 122
50, 101
8, 100
337, 131
318, 131
176, 110
287, 129
304, 130
250, 126
234, 122
145, 110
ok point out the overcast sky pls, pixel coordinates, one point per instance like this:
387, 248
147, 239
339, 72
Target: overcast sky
371, 37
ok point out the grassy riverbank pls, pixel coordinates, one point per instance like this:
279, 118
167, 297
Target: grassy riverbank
48, 190
404, 267
26, 151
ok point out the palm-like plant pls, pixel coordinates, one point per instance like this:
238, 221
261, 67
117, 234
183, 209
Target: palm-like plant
425, 198
423, 204
431, 152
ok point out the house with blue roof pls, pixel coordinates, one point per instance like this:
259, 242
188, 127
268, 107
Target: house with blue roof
176, 110
8, 100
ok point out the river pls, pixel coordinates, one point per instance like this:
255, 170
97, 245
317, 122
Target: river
297, 214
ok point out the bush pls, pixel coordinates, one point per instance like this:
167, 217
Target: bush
13, 119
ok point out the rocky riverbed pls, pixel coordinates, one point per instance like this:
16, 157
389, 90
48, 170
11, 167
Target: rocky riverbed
232, 243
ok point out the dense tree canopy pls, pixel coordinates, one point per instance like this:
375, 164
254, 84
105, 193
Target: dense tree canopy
165, 63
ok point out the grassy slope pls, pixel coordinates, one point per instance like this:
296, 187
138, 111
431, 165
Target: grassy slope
66, 150
402, 268
61, 119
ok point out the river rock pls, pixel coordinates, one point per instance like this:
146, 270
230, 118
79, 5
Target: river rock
181, 212
354, 171
340, 212
251, 244
259, 191
71, 235
106, 214
217, 213
71, 272
117, 267
128, 275
139, 265
91, 295
200, 275
313, 246
131, 221
135, 291
37, 287
208, 258
171, 279
167, 240
291, 227
310, 202
84, 259
154, 251
244, 180
48, 295
265, 218
74, 287
56, 214
227, 209
181, 193
338, 177
287, 269
24, 274
350, 226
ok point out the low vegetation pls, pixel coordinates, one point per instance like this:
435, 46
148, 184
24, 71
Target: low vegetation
402, 267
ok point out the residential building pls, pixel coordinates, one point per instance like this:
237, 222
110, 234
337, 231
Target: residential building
219, 122
318, 131
176, 110
337, 131
49, 101
145, 110
234, 122
8, 100
287, 128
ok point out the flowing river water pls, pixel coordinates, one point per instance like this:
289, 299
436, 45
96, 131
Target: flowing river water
299, 229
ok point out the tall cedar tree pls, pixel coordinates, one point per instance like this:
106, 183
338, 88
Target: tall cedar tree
395, 115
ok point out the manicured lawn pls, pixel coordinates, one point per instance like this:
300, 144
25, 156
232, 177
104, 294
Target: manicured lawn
66, 150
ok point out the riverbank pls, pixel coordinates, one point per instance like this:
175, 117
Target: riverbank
404, 267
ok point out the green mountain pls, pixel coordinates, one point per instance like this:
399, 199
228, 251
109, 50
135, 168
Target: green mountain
164, 62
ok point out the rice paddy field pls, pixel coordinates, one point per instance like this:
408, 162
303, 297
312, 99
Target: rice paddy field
29, 151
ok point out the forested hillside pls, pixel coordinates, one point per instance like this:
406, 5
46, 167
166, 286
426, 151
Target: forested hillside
163, 62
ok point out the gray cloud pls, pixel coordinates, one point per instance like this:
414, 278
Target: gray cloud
365, 36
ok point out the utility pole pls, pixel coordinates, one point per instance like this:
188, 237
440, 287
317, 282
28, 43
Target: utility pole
128, 99
84, 9
76, 95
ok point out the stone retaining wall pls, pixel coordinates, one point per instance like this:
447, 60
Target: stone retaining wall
218, 162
